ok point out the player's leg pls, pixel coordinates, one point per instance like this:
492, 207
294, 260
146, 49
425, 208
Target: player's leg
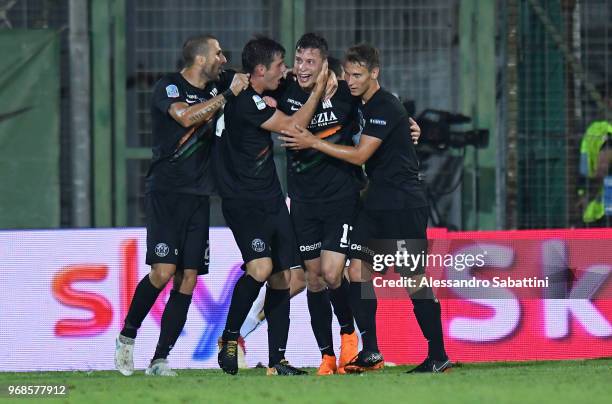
245, 292
364, 304
337, 220
362, 296
332, 270
162, 240
256, 315
172, 321
306, 220
412, 226
277, 304
276, 309
248, 222
193, 253
427, 311
297, 284
320, 311
145, 295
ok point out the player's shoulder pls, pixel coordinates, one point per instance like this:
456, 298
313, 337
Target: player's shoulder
387, 97
227, 74
250, 100
170, 83
385, 101
292, 88
344, 92
343, 87
169, 78
225, 78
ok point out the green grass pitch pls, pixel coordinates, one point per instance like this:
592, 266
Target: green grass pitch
588, 381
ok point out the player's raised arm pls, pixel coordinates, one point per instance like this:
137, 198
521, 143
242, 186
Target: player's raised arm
189, 115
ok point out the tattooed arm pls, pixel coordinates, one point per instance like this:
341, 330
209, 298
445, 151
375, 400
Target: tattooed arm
189, 115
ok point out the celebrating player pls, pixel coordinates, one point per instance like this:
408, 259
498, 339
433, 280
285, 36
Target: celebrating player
324, 196
253, 204
395, 206
178, 186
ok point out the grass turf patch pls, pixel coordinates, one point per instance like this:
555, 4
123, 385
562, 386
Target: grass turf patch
522, 382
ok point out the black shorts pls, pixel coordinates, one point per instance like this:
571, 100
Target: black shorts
379, 232
323, 226
177, 230
262, 229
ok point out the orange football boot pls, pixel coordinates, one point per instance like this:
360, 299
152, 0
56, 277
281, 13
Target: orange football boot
349, 348
328, 366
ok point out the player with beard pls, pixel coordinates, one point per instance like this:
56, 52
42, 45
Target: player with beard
178, 185
395, 205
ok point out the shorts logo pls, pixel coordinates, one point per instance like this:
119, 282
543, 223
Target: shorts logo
162, 249
258, 245
311, 247
380, 122
172, 91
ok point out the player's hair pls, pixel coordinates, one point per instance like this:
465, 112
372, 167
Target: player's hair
313, 41
335, 65
260, 51
194, 46
363, 54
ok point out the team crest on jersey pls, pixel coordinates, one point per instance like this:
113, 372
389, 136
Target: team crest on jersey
327, 104
162, 249
259, 103
258, 245
172, 91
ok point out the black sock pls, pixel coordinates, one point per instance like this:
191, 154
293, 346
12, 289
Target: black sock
339, 298
428, 315
144, 298
276, 309
364, 310
245, 293
172, 323
320, 320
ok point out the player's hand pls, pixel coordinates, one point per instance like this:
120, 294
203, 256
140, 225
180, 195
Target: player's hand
271, 102
322, 79
331, 87
298, 138
239, 82
415, 131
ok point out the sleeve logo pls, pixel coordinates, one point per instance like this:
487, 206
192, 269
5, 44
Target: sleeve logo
259, 103
172, 91
378, 122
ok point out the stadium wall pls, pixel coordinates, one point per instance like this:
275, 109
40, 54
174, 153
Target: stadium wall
65, 293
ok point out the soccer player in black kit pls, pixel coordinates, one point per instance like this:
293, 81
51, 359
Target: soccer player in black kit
395, 205
324, 194
253, 204
183, 110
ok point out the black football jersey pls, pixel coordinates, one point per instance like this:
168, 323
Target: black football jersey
182, 156
244, 161
393, 169
311, 175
